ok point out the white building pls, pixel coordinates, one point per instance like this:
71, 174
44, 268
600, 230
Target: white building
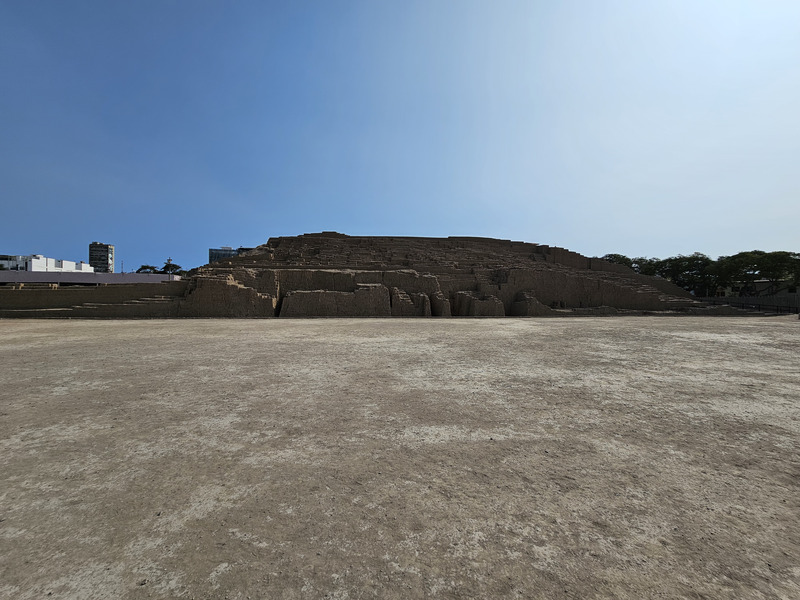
42, 264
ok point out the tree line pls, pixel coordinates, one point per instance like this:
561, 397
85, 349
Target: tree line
169, 268
703, 276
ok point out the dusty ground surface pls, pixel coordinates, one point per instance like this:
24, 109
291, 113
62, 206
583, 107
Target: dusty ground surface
561, 458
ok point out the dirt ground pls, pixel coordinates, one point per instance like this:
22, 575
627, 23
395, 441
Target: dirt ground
636, 457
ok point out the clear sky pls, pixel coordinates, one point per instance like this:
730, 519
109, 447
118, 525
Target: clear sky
167, 127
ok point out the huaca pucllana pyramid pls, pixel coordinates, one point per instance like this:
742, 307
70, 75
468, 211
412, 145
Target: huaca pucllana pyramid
334, 275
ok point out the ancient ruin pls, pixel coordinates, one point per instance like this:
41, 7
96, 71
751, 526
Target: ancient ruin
335, 275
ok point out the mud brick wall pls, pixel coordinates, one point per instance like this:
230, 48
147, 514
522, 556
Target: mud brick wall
366, 301
65, 297
225, 298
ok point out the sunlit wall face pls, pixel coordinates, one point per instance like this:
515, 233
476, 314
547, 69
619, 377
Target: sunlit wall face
645, 128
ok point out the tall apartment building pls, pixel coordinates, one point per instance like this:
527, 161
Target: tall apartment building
101, 257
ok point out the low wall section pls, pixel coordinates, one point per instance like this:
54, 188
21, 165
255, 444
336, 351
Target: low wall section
75, 296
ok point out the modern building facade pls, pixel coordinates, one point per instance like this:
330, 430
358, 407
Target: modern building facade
41, 264
101, 257
215, 254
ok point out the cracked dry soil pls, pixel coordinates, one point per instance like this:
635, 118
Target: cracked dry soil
641, 457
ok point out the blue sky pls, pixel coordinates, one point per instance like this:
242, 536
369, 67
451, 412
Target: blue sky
168, 127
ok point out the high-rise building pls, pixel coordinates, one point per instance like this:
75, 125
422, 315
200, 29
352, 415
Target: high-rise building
101, 257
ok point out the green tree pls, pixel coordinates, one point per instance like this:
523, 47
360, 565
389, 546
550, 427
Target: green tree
693, 273
171, 268
745, 268
646, 266
779, 266
742, 269
702, 275
618, 259
794, 271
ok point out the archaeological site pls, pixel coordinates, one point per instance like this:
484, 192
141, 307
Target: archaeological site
335, 275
